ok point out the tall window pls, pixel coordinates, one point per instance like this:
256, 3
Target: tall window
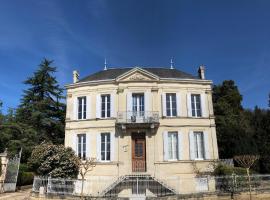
173, 145
196, 105
199, 145
138, 104
105, 147
81, 107
81, 146
171, 104
105, 106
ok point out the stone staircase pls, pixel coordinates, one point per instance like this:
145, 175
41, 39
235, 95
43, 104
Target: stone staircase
138, 184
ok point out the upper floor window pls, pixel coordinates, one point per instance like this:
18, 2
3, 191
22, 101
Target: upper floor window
81, 107
105, 105
199, 145
81, 139
196, 105
105, 146
138, 103
171, 105
173, 146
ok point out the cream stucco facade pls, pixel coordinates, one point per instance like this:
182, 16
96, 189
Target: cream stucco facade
162, 155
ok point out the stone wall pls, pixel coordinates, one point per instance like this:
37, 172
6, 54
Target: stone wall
4, 160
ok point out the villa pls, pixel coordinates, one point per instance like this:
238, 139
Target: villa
143, 124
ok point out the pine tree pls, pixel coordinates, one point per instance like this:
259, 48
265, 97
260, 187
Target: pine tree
41, 106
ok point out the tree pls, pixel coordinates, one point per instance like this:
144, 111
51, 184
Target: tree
232, 121
86, 166
56, 161
247, 161
41, 106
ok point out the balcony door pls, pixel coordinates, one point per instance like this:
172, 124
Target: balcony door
138, 152
137, 107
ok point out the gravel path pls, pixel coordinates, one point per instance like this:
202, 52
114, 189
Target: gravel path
20, 195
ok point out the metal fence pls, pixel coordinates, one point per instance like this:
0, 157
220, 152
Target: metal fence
150, 186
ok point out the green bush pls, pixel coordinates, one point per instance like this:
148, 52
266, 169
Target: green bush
25, 178
224, 170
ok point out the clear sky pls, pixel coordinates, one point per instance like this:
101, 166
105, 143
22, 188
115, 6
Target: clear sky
231, 38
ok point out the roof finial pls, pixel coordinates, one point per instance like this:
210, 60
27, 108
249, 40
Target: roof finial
105, 64
171, 63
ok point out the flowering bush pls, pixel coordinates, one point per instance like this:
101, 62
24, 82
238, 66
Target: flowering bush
56, 161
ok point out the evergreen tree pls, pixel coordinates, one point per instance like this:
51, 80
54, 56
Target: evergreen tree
41, 106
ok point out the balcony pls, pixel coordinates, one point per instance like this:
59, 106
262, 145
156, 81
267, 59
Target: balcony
133, 119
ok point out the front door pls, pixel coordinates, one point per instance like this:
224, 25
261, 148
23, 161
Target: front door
138, 152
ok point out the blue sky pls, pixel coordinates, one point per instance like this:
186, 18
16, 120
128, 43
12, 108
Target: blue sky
232, 38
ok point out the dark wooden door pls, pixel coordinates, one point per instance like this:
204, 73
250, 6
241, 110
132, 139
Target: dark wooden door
138, 152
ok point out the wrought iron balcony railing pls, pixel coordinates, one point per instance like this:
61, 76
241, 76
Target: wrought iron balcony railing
138, 117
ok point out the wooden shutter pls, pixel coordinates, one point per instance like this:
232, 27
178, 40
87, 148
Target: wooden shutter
165, 145
180, 146
129, 101
178, 104
98, 106
191, 146
147, 101
88, 145
74, 143
164, 111
112, 140
112, 105
206, 145
75, 108
203, 105
88, 107
189, 108
98, 145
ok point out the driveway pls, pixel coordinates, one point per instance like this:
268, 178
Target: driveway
20, 195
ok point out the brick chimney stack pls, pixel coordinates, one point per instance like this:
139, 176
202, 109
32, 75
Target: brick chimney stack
75, 76
201, 72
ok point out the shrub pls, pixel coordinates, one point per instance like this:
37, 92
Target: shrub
25, 176
224, 170
56, 161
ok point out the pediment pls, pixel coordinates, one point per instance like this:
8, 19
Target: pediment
137, 74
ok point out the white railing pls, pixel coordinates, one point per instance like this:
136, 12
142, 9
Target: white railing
138, 117
158, 186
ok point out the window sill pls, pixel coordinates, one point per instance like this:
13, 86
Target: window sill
107, 163
181, 161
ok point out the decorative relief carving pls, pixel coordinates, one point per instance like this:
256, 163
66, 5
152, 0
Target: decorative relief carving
138, 77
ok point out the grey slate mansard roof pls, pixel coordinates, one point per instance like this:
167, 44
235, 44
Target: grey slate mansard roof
113, 73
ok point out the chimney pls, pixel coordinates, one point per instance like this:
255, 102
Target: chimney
201, 71
75, 76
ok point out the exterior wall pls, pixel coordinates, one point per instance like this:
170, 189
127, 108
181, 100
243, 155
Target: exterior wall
156, 166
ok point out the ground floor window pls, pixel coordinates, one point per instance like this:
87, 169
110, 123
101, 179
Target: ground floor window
81, 146
173, 145
199, 145
105, 147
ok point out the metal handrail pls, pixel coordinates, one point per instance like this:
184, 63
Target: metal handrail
138, 117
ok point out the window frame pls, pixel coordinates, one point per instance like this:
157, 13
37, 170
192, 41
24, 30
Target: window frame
176, 150
83, 106
199, 149
194, 101
106, 141
170, 109
81, 146
107, 103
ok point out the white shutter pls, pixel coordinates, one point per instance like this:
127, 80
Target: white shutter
147, 101
165, 145
180, 146
112, 140
88, 145
178, 104
88, 107
98, 106
129, 101
206, 145
164, 113
74, 143
98, 146
112, 105
75, 108
191, 146
189, 109
203, 105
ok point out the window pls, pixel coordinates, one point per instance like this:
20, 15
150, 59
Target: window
138, 104
171, 104
81, 146
81, 107
199, 145
105, 147
201, 184
105, 106
173, 145
196, 105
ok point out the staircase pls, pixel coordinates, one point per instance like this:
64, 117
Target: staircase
138, 184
